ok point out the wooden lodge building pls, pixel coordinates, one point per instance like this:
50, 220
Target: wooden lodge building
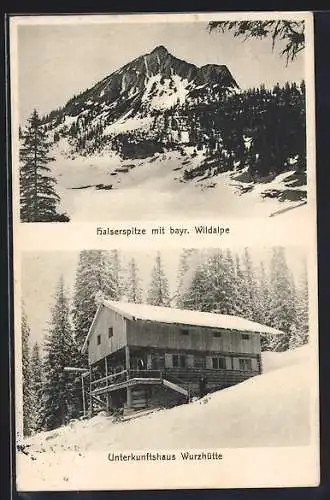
143, 356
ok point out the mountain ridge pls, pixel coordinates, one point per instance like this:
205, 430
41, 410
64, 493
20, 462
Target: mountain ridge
159, 61
170, 74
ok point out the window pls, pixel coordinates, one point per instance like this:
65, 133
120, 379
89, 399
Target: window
199, 361
217, 335
245, 364
98, 339
183, 362
179, 361
184, 332
245, 336
219, 363
110, 332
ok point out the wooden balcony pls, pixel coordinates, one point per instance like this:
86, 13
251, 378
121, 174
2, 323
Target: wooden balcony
130, 378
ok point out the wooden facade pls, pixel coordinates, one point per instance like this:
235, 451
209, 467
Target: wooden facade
138, 363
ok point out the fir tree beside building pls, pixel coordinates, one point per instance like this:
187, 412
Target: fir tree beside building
158, 293
59, 393
26, 378
36, 387
133, 288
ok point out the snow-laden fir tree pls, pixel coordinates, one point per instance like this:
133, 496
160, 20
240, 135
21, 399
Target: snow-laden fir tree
133, 288
196, 295
216, 284
219, 289
282, 300
116, 274
250, 286
38, 197
229, 299
97, 277
158, 292
263, 303
36, 387
59, 393
185, 275
241, 290
26, 376
299, 334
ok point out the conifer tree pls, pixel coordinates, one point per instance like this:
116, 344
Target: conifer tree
250, 285
26, 377
212, 284
263, 305
282, 302
196, 296
241, 288
39, 199
36, 387
133, 288
97, 277
116, 275
185, 275
59, 395
220, 293
158, 293
300, 335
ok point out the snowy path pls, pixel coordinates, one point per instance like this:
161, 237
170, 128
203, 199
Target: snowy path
150, 190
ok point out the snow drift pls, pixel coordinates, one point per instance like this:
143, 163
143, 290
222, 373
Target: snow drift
270, 412
272, 409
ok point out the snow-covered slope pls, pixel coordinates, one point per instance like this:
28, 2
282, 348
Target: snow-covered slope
154, 189
268, 410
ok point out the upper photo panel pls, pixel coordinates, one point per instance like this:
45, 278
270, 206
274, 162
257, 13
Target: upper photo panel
159, 117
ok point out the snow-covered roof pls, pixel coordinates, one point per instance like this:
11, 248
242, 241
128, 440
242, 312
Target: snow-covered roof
184, 317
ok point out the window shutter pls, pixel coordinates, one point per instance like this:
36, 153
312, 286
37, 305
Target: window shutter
190, 361
208, 362
254, 364
228, 363
168, 360
235, 364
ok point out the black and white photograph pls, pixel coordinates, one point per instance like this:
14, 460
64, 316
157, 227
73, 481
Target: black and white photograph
133, 118
170, 329
181, 349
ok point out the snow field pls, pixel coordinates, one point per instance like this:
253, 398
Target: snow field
153, 189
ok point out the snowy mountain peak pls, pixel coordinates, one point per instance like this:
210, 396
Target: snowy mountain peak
136, 96
160, 50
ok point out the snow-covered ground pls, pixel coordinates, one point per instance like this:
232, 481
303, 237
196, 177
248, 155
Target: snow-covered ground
109, 188
269, 410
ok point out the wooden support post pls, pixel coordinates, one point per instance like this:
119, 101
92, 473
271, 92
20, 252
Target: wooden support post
107, 383
83, 395
90, 392
259, 362
128, 367
127, 360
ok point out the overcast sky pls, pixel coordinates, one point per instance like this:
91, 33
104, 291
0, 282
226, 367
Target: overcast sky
57, 61
41, 272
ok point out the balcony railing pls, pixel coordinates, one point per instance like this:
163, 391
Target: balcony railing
116, 378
